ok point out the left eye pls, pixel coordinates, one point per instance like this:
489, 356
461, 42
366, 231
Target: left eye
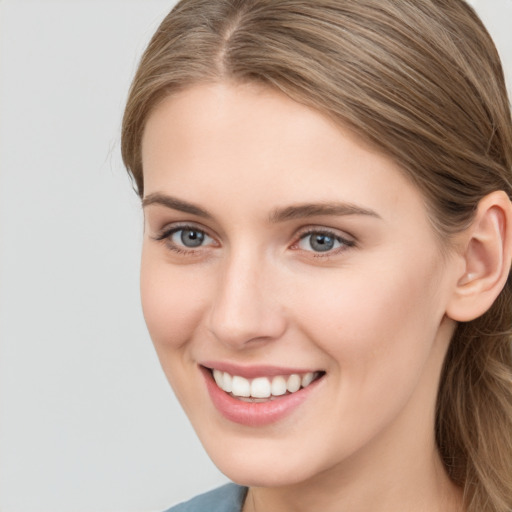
189, 238
319, 241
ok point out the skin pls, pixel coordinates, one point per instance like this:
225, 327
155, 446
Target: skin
371, 313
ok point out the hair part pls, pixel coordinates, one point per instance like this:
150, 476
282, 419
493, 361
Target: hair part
423, 82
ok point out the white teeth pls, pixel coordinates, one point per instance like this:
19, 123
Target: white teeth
278, 386
293, 383
240, 386
218, 376
262, 387
227, 382
307, 379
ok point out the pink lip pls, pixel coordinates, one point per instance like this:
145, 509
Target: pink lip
251, 372
255, 414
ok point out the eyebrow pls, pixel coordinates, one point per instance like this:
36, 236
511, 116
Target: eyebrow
302, 211
299, 211
175, 204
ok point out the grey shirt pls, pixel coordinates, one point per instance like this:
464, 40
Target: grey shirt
228, 498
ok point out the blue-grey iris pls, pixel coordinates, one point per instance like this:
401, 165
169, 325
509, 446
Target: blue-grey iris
192, 237
321, 243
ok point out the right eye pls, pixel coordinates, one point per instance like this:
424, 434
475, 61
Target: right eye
185, 238
190, 237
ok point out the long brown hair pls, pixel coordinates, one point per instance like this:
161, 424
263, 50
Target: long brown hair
421, 80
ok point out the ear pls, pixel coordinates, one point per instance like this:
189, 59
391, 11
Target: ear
487, 256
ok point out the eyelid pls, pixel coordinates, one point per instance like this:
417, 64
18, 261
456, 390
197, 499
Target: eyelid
337, 233
170, 228
165, 234
348, 241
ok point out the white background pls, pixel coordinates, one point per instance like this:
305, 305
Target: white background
87, 421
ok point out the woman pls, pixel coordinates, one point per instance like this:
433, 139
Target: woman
328, 241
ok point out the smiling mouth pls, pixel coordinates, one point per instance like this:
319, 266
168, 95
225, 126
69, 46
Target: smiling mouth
263, 389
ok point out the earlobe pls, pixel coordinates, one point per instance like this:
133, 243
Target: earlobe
487, 254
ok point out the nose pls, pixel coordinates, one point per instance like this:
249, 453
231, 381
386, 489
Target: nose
245, 309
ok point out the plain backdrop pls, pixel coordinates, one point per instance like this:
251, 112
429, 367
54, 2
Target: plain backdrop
87, 420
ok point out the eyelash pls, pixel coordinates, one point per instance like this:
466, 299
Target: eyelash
166, 236
345, 243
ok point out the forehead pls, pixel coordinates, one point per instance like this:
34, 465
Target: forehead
208, 118
214, 115
235, 140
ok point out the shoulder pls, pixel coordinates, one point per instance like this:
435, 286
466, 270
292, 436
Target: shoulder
228, 498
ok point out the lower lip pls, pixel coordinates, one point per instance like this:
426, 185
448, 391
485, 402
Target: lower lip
255, 414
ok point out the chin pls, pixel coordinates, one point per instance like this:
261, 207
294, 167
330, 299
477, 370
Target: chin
262, 463
263, 474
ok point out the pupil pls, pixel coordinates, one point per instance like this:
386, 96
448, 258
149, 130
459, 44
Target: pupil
191, 238
322, 243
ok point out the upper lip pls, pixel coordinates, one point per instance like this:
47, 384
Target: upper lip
254, 371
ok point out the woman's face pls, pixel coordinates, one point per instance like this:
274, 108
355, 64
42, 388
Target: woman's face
299, 266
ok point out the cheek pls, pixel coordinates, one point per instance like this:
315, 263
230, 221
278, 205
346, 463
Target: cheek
378, 331
383, 323
171, 302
